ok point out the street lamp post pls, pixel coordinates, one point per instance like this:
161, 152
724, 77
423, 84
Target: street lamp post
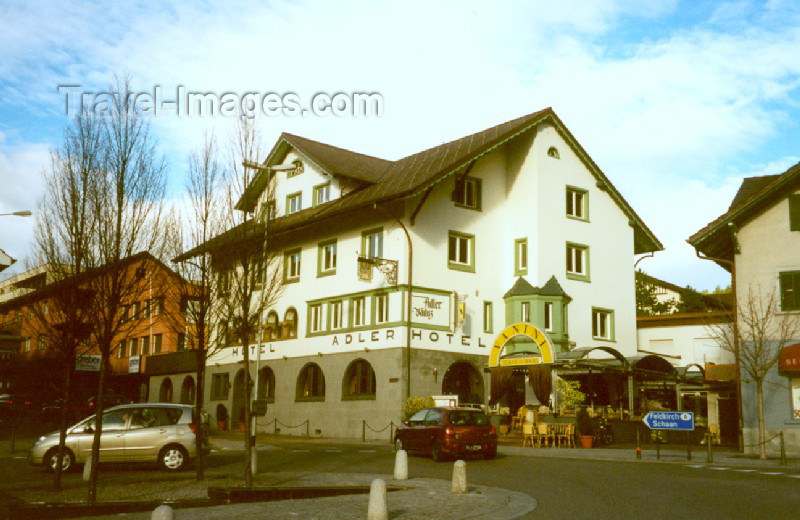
25, 213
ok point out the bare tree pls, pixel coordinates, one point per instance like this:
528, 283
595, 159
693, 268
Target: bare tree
64, 240
127, 205
202, 221
248, 270
762, 332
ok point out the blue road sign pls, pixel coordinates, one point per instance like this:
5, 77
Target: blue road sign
670, 421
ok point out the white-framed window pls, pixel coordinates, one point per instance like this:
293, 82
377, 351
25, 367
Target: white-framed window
292, 266
577, 203
526, 312
121, 349
322, 193
42, 342
381, 308
487, 316
145, 350
132, 346
521, 257
157, 339
316, 318
294, 203
337, 315
602, 324
27, 346
577, 260
372, 243
548, 316
327, 258
359, 311
467, 193
461, 251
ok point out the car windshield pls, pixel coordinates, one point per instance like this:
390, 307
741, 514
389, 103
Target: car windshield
468, 418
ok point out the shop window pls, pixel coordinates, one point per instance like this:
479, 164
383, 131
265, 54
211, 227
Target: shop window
311, 383
266, 384
219, 386
359, 380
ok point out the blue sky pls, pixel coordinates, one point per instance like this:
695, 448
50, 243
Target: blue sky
677, 101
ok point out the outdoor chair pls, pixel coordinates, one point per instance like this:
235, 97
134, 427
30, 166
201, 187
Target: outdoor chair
527, 435
544, 433
566, 435
519, 419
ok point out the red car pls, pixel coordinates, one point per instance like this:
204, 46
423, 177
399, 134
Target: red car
445, 432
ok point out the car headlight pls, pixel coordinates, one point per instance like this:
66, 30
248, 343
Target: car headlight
42, 438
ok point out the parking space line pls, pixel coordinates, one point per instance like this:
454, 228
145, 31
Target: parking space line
745, 470
771, 473
366, 451
719, 469
301, 451
333, 451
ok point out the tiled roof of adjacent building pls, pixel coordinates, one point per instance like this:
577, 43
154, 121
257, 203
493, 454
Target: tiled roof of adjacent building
755, 195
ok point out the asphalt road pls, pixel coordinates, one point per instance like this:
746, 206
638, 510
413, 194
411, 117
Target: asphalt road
563, 488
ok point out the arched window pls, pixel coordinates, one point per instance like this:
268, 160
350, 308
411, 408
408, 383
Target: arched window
187, 390
311, 383
359, 381
266, 384
290, 323
271, 329
165, 393
553, 152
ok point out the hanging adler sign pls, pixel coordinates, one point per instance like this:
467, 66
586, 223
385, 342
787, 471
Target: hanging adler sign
531, 332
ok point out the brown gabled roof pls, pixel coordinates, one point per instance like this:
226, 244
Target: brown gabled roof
755, 195
382, 181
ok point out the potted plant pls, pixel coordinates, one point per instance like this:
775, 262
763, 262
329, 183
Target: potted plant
585, 428
569, 395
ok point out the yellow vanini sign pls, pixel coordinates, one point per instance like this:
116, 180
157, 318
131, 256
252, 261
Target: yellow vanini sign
521, 329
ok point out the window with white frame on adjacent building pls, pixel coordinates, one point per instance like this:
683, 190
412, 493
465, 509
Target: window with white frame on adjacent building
327, 258
337, 315
145, 350
291, 266
602, 324
157, 342
294, 203
322, 193
577, 206
381, 308
461, 251
525, 312
577, 261
372, 243
359, 306
315, 317
548, 316
121, 349
132, 346
42, 344
467, 193
487, 316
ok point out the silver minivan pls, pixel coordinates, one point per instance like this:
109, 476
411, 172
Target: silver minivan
160, 432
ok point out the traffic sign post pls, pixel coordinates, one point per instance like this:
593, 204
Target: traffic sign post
676, 421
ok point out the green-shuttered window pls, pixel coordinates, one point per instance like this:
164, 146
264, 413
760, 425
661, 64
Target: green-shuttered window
794, 212
790, 290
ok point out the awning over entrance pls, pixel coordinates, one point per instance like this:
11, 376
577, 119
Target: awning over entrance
789, 360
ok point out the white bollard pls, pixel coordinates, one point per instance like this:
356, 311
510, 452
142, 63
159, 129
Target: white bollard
162, 512
87, 468
253, 461
401, 465
459, 477
378, 508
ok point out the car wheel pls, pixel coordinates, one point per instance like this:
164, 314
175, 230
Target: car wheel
398, 444
490, 453
51, 459
173, 458
436, 452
